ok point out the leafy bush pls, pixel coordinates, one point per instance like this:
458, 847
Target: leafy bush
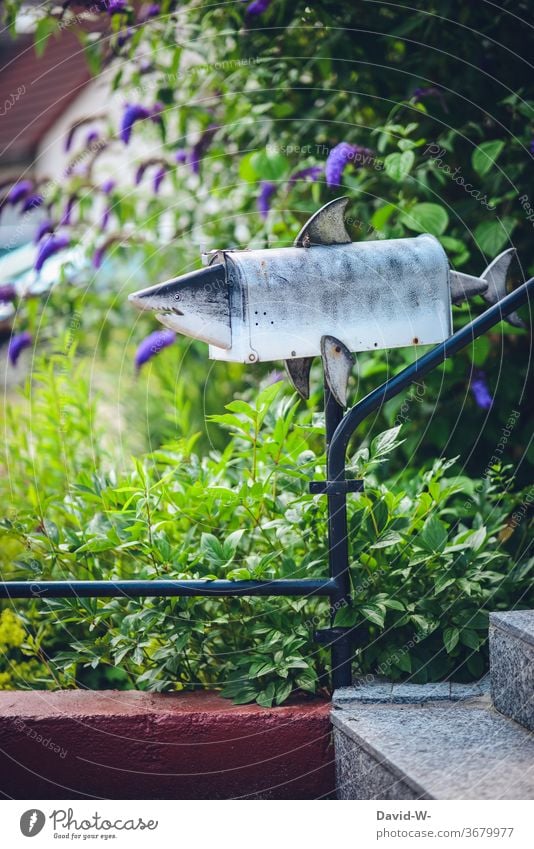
428, 552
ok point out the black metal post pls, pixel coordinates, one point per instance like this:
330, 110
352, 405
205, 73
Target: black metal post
338, 553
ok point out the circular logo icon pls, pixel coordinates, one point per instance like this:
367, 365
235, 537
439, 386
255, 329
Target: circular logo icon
32, 822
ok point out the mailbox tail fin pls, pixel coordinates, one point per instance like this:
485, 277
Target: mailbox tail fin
491, 284
495, 275
298, 372
338, 362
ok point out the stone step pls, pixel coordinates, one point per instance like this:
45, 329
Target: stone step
511, 637
441, 749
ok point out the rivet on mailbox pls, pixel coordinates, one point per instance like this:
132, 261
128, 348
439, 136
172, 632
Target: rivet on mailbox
325, 296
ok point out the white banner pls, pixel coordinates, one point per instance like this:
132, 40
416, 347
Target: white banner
267, 825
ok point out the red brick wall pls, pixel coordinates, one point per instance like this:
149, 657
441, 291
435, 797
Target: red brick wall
131, 745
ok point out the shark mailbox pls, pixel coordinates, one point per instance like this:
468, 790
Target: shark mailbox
325, 296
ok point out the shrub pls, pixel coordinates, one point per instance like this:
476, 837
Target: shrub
429, 552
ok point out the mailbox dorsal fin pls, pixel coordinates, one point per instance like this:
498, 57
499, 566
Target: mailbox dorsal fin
298, 371
326, 226
338, 362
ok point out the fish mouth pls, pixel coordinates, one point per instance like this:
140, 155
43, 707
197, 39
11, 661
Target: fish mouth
145, 304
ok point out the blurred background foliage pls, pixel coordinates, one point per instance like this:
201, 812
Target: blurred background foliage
241, 108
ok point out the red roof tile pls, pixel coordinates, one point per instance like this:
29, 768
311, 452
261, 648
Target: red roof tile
35, 91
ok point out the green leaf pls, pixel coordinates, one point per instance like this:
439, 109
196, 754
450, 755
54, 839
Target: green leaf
399, 165
346, 617
385, 442
373, 614
471, 639
283, 691
485, 155
434, 535
426, 218
492, 235
450, 639
390, 538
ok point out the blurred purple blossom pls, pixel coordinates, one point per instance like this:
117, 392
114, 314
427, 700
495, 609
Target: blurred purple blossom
480, 390
108, 186
313, 172
105, 218
124, 36
19, 191
44, 227
274, 377
430, 91
7, 293
92, 136
114, 7
181, 155
159, 176
151, 10
200, 147
258, 7
152, 345
48, 248
17, 344
66, 218
32, 202
267, 190
133, 112
340, 156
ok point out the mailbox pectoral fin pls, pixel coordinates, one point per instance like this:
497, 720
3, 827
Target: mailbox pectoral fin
298, 371
338, 362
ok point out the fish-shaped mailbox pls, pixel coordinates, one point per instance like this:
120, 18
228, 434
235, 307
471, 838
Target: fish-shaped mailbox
325, 296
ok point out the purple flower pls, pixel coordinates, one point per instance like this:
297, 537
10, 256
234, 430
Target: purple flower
159, 176
108, 186
17, 344
124, 36
114, 7
133, 112
313, 172
66, 218
199, 149
258, 7
480, 390
7, 293
32, 202
429, 91
181, 156
152, 345
105, 218
92, 136
19, 191
267, 190
149, 11
43, 228
48, 248
340, 156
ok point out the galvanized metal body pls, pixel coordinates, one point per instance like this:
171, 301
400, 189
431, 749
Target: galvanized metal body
369, 295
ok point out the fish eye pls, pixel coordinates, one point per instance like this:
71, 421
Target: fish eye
177, 297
